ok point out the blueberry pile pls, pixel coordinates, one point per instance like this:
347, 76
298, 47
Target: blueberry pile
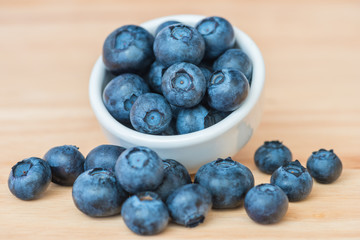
149, 191
181, 80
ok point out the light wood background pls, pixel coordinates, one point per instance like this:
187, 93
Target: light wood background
312, 57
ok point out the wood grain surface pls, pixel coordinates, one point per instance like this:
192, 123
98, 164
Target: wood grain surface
312, 57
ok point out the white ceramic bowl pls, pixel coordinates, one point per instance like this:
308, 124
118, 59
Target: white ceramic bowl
223, 139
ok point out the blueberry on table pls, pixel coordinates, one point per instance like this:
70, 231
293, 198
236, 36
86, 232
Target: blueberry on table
139, 169
29, 178
128, 49
183, 85
324, 166
103, 156
154, 76
192, 119
150, 113
175, 176
97, 193
218, 34
189, 205
66, 163
294, 180
165, 24
272, 155
235, 58
179, 43
266, 203
227, 180
227, 89
120, 94
145, 213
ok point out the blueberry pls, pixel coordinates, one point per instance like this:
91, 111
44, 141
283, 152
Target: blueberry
235, 58
227, 180
227, 89
294, 180
179, 43
165, 24
218, 35
189, 205
206, 72
103, 156
128, 49
151, 113
272, 155
97, 193
324, 166
214, 117
29, 178
66, 163
183, 85
145, 214
192, 119
175, 176
120, 94
139, 169
266, 203
154, 77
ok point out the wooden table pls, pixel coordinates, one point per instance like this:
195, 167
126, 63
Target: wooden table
312, 56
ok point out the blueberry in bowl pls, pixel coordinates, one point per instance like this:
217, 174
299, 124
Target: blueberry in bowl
193, 149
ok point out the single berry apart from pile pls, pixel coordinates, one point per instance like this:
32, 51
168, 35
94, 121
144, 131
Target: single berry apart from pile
266, 203
324, 166
227, 89
103, 156
189, 205
272, 155
192, 119
150, 113
235, 58
175, 176
145, 213
139, 169
227, 180
218, 35
120, 94
294, 180
66, 163
165, 24
183, 85
97, 193
128, 49
179, 43
29, 178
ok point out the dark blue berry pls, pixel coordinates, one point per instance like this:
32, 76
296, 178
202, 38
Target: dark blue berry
189, 205
151, 114
227, 89
235, 58
103, 156
175, 176
183, 85
66, 163
192, 119
266, 203
145, 213
324, 166
120, 94
272, 155
227, 180
154, 77
165, 24
97, 193
179, 43
29, 178
128, 49
218, 35
294, 180
139, 169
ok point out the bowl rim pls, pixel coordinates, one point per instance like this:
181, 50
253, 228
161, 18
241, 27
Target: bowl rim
159, 141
